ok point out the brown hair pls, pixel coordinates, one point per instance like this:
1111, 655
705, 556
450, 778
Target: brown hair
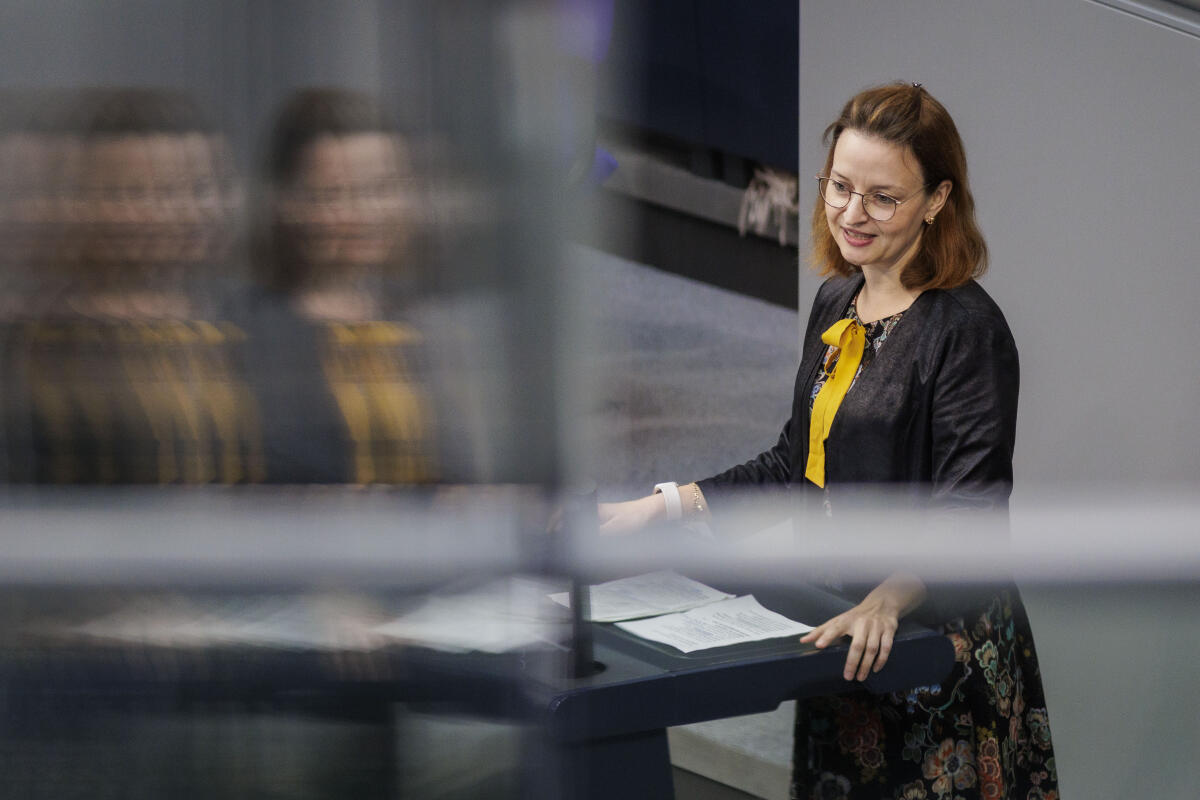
306, 116
312, 113
952, 250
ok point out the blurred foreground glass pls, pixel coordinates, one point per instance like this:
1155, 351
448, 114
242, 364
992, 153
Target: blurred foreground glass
321, 255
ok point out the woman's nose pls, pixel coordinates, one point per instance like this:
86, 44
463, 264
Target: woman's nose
855, 212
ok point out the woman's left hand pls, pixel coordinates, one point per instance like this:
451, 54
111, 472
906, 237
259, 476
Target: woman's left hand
871, 625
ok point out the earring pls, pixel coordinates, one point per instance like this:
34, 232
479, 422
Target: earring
929, 220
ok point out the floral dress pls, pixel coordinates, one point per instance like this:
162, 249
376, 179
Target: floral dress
982, 733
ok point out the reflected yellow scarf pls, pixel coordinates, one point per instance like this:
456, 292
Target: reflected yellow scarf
849, 337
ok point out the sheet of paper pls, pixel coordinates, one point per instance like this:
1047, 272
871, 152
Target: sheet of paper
727, 622
648, 595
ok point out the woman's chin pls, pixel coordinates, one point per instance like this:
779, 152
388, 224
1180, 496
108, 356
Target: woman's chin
853, 258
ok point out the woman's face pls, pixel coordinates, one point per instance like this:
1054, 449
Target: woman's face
345, 206
152, 198
869, 165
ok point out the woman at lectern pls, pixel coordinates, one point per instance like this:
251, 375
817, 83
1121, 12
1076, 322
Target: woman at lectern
909, 377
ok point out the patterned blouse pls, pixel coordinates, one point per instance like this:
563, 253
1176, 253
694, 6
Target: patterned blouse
877, 333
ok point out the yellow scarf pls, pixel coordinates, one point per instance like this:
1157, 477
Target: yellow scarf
849, 337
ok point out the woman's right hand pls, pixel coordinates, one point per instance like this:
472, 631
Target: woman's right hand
621, 519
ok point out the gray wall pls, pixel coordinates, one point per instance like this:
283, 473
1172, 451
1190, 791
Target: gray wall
1080, 123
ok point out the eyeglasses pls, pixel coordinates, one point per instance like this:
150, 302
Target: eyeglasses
878, 206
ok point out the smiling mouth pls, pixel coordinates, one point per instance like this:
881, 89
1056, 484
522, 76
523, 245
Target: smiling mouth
857, 238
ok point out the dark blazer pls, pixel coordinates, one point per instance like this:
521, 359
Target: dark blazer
938, 408
934, 416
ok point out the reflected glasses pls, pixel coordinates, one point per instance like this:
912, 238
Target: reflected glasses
878, 206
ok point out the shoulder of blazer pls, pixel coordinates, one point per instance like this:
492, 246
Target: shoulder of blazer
969, 305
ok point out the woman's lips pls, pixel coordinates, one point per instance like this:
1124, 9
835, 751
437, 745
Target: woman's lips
857, 238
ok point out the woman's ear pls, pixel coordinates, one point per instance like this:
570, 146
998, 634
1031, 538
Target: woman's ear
938, 198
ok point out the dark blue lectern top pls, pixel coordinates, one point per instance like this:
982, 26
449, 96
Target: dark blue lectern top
641, 685
637, 685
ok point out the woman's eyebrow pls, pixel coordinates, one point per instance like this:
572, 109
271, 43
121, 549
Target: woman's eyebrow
884, 187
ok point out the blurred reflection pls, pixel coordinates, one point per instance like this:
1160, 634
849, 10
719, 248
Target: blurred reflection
134, 352
197, 642
114, 369
331, 355
34, 148
157, 329
149, 207
137, 347
339, 182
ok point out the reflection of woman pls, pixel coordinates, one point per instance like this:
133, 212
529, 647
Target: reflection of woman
333, 366
114, 372
909, 376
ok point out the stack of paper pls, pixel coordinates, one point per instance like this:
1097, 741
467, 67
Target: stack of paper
734, 621
644, 596
667, 607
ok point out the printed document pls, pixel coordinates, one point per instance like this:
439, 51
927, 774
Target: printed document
726, 622
648, 595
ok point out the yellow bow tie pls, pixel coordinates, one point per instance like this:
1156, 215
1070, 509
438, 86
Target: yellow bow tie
849, 337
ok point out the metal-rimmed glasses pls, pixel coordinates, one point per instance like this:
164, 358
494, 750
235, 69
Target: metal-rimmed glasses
877, 205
